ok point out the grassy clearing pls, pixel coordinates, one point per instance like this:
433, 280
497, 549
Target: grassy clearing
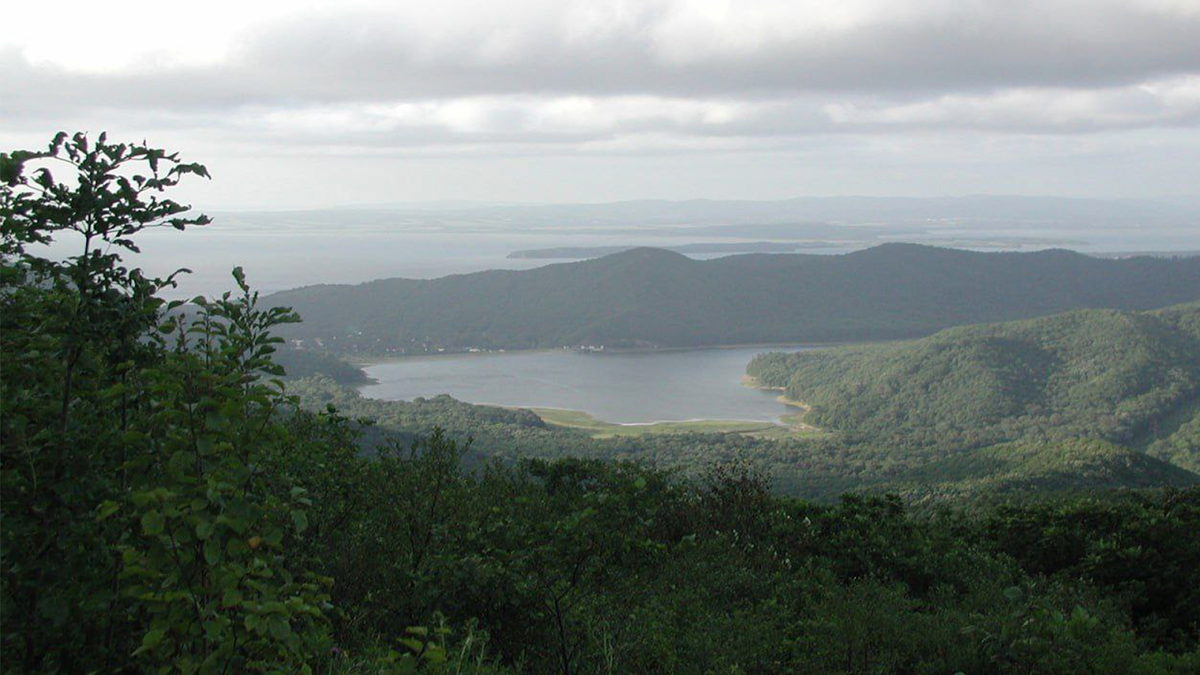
574, 419
789, 432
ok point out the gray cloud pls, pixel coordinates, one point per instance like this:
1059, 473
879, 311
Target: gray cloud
976, 47
359, 56
655, 78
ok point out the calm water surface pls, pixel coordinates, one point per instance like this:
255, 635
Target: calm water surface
626, 388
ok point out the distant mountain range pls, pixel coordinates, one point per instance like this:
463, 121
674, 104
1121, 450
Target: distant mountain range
651, 298
584, 252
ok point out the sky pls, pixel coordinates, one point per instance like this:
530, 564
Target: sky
304, 104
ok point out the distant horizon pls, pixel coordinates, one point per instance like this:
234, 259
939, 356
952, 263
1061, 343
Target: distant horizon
452, 204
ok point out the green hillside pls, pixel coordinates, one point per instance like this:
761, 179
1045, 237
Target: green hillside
1037, 468
300, 363
655, 298
1130, 378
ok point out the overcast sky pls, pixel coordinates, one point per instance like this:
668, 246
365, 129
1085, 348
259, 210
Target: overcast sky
301, 103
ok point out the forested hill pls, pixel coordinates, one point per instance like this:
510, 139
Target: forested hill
655, 298
1038, 468
1131, 378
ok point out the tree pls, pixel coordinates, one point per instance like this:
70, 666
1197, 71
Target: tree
75, 334
134, 515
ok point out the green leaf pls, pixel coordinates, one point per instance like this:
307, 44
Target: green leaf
412, 643
153, 523
10, 169
279, 628
179, 462
232, 597
300, 520
212, 552
239, 275
152, 638
107, 508
204, 529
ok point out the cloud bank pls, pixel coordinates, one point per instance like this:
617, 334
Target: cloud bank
537, 78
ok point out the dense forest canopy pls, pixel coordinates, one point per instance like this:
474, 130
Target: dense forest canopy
818, 466
168, 506
1035, 468
655, 298
1126, 377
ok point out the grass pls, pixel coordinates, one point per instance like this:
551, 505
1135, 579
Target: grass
574, 419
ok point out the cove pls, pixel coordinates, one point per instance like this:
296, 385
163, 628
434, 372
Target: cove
620, 387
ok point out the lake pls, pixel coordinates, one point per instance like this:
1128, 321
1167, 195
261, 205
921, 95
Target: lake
623, 387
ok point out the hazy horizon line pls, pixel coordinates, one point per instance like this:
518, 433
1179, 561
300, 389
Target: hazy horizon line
455, 204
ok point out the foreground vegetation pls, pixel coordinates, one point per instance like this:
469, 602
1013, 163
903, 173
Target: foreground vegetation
169, 507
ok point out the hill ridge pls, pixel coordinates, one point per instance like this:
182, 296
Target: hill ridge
1103, 374
648, 298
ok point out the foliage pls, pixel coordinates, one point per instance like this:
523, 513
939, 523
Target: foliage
75, 335
168, 507
213, 572
587, 566
1141, 549
1035, 468
301, 363
135, 520
1117, 376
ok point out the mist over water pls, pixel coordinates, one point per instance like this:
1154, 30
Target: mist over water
283, 250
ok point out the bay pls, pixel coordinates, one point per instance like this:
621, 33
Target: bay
618, 387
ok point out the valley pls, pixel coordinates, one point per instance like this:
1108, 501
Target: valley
961, 364
1087, 399
617, 337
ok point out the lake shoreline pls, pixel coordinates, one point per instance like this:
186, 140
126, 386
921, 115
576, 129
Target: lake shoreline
677, 390
585, 422
365, 361
696, 420
753, 382
798, 423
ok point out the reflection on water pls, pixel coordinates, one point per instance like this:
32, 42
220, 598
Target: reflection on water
614, 387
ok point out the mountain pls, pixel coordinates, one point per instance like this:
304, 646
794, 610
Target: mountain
655, 298
1126, 377
583, 252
